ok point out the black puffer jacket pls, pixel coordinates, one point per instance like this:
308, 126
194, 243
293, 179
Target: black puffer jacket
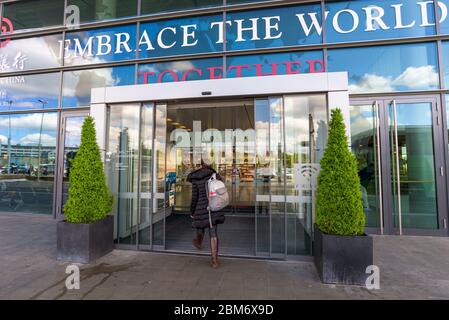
198, 207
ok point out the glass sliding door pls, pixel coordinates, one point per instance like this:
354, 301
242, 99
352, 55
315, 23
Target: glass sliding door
162, 190
122, 167
291, 134
365, 144
146, 175
305, 142
396, 142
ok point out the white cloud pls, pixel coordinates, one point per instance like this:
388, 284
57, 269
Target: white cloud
33, 139
419, 77
31, 121
3, 139
411, 78
371, 83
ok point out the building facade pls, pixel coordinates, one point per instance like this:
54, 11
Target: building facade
247, 84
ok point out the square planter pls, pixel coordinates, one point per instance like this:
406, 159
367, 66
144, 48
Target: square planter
84, 243
342, 259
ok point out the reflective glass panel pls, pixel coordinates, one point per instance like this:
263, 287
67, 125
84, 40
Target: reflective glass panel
31, 53
365, 146
369, 20
77, 85
388, 68
200, 69
72, 141
27, 162
264, 172
274, 27
99, 10
146, 174
39, 91
100, 45
179, 36
275, 64
413, 166
158, 6
122, 169
305, 141
443, 8
34, 14
445, 62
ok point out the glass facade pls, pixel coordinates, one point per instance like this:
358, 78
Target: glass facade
389, 49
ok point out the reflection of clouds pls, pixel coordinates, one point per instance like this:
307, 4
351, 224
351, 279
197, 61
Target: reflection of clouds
362, 120
41, 52
3, 139
35, 138
30, 122
34, 86
411, 78
176, 66
418, 77
80, 83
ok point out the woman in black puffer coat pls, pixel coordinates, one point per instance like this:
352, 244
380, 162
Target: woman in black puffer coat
200, 213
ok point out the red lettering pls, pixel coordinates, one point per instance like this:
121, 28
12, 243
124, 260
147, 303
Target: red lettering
186, 74
312, 65
145, 76
174, 75
212, 74
239, 69
260, 73
289, 67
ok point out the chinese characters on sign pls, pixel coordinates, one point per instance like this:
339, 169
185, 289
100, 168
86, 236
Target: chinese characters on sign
12, 63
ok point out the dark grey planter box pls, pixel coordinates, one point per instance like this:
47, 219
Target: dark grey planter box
84, 243
341, 259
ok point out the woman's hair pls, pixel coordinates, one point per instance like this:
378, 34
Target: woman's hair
205, 161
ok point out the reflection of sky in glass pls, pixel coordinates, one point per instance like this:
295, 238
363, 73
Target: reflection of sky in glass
73, 127
206, 37
292, 32
29, 92
280, 59
445, 56
77, 85
31, 53
180, 68
114, 55
29, 129
414, 114
410, 12
387, 68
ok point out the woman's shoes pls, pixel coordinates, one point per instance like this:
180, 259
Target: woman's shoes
198, 241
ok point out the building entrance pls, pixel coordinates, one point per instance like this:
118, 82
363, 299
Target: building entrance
397, 142
222, 132
265, 140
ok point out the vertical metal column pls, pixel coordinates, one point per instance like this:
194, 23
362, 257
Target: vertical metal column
398, 176
379, 166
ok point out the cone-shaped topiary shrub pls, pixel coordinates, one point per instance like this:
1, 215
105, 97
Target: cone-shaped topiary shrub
89, 199
339, 207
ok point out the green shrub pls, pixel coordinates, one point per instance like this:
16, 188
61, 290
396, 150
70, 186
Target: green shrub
339, 207
89, 199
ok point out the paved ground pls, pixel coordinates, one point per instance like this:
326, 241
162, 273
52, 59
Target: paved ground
411, 268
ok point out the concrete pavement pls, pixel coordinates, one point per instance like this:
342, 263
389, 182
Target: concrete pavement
411, 268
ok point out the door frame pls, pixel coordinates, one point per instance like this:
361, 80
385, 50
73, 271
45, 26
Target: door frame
59, 175
382, 103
